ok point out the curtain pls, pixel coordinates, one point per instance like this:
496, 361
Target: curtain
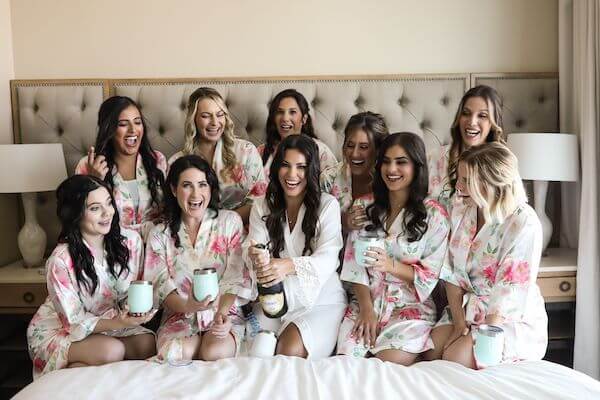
579, 64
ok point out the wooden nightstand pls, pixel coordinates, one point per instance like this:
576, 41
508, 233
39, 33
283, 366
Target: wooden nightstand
22, 291
557, 275
557, 282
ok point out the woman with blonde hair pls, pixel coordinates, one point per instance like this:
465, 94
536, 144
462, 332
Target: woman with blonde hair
209, 134
351, 180
492, 263
478, 120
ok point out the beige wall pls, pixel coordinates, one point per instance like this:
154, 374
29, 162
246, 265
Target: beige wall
8, 202
195, 38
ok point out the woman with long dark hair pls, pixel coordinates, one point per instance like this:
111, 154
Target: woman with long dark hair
392, 312
303, 229
351, 181
88, 274
125, 160
493, 260
478, 120
197, 235
289, 115
209, 133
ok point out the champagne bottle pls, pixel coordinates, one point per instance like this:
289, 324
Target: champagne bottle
272, 299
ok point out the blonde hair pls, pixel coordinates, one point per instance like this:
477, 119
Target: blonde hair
493, 179
494, 102
191, 131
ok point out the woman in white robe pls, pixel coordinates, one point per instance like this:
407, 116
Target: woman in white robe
303, 228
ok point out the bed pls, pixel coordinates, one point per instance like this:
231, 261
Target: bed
292, 378
65, 111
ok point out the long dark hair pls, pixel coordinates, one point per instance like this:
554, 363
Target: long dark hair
491, 96
275, 196
172, 209
273, 133
71, 197
415, 214
108, 121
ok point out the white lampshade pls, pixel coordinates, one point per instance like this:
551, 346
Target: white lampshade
546, 156
28, 168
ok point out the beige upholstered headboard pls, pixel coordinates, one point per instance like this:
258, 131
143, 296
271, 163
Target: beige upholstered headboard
65, 111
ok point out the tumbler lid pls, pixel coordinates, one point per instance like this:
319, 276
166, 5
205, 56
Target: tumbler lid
141, 283
205, 271
268, 332
490, 330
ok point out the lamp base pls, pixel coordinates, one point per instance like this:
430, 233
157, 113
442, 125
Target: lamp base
540, 190
31, 238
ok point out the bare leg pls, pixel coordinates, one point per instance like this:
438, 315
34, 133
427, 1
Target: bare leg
397, 356
461, 351
439, 336
191, 347
213, 348
139, 347
96, 349
290, 343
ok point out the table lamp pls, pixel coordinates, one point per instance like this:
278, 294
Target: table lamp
545, 157
28, 169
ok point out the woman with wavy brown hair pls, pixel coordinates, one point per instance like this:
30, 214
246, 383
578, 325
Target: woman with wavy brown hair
478, 120
289, 115
302, 226
351, 181
209, 134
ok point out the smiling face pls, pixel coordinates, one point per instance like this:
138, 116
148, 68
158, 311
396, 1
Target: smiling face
475, 121
98, 214
359, 153
192, 193
130, 130
210, 120
292, 174
288, 117
397, 169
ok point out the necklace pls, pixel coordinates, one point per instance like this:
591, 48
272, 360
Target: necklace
291, 222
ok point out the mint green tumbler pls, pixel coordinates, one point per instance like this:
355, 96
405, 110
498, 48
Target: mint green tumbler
139, 297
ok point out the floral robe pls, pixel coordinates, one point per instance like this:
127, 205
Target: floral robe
247, 182
70, 313
146, 215
497, 268
405, 312
315, 298
218, 245
439, 184
337, 181
326, 157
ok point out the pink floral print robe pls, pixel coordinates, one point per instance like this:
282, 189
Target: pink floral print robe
337, 181
405, 312
70, 313
497, 268
147, 214
248, 181
218, 245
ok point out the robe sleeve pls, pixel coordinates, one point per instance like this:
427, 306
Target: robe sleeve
65, 294
517, 270
236, 278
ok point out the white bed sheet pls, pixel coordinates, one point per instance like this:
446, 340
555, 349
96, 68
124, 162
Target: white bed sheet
294, 378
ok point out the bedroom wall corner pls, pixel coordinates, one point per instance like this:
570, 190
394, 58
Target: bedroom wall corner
9, 222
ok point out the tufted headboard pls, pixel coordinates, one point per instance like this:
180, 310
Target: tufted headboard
65, 111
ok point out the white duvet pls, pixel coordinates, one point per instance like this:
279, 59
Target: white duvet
332, 378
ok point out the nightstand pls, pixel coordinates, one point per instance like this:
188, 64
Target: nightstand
557, 281
22, 291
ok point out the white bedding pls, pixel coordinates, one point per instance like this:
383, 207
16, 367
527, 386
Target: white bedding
333, 378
